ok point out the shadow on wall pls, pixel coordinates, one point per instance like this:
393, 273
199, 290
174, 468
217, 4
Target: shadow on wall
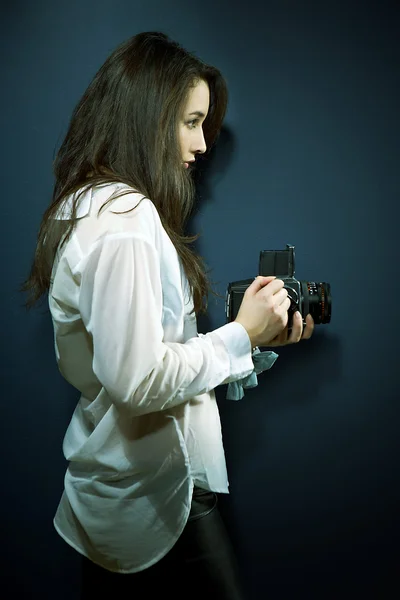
322, 356
211, 167
299, 379
288, 383
209, 170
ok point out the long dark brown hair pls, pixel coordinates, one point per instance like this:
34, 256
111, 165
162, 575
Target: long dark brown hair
125, 129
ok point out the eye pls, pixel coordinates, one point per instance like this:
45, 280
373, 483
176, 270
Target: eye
193, 123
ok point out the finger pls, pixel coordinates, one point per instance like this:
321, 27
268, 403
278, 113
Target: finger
265, 279
283, 336
274, 287
297, 329
260, 281
309, 329
281, 339
281, 297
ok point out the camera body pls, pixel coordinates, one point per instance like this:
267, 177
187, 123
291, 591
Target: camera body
305, 296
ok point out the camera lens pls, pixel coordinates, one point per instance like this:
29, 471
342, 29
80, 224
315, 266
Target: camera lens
319, 300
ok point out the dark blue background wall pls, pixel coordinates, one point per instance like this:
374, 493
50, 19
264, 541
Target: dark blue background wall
309, 155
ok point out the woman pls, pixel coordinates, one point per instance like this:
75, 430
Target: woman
144, 444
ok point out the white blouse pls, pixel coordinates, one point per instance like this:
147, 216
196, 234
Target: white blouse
146, 428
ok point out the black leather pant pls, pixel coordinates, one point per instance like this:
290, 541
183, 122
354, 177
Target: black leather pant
201, 565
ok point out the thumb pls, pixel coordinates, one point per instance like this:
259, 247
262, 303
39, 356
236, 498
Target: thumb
259, 282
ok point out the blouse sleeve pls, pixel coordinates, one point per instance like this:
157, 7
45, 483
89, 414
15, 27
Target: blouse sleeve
121, 306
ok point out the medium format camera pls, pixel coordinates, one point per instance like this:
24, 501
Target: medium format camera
305, 296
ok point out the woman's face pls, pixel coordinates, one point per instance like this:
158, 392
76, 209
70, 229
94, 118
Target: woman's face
191, 136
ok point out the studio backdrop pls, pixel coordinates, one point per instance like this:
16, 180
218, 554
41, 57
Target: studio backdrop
308, 156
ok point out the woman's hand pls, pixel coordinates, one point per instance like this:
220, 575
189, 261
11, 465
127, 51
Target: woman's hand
297, 332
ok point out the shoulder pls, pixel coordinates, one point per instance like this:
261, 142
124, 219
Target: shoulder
119, 198
115, 210
112, 211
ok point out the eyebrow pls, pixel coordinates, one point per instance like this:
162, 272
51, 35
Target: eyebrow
197, 113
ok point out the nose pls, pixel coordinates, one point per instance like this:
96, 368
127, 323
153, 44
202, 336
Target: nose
200, 145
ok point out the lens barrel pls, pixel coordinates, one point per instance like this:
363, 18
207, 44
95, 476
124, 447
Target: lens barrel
318, 295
